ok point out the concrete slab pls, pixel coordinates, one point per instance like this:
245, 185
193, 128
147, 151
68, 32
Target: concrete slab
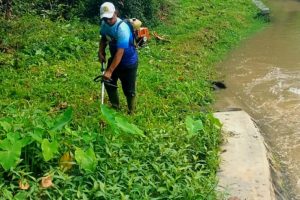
262, 7
244, 170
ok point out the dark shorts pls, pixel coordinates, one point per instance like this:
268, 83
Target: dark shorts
127, 76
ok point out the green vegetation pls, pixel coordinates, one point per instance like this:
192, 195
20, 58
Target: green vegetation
52, 124
145, 10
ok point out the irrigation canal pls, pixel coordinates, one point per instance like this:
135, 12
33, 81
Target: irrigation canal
262, 77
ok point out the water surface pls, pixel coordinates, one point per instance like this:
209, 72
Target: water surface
263, 77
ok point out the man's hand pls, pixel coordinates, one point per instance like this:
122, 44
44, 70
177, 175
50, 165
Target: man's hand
101, 57
107, 74
115, 62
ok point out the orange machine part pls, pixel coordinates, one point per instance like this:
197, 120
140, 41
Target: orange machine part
143, 32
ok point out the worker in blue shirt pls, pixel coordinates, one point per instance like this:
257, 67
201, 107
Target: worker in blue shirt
123, 62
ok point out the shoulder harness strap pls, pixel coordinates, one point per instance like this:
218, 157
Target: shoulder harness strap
132, 33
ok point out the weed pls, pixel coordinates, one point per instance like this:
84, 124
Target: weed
52, 125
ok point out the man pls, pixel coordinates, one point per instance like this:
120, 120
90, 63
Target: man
123, 62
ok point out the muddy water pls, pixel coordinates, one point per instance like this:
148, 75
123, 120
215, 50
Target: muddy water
263, 78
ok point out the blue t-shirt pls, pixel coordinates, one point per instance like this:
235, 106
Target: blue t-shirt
120, 36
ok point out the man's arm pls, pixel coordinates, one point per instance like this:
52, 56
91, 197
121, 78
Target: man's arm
115, 62
123, 36
101, 52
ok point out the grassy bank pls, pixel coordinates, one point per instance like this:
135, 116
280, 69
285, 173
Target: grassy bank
48, 67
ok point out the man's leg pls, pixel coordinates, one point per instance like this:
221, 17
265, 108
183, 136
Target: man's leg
113, 91
130, 104
128, 79
113, 96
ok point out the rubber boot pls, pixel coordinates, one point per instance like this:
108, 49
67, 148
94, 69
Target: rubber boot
130, 104
114, 98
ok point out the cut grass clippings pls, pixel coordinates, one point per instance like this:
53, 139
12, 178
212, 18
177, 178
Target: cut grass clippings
48, 66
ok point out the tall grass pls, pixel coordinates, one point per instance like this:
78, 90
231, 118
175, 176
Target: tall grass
49, 66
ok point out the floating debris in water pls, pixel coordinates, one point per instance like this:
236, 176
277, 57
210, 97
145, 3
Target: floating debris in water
217, 85
294, 90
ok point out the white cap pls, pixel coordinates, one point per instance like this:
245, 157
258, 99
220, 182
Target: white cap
107, 10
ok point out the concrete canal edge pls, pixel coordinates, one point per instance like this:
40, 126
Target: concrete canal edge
264, 10
245, 172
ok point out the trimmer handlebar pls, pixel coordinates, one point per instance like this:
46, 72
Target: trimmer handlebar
100, 77
103, 82
106, 82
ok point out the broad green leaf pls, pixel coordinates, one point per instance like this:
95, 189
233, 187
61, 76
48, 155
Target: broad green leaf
37, 134
63, 120
214, 120
5, 144
109, 116
193, 126
13, 137
119, 123
16, 138
6, 194
24, 141
127, 127
5, 125
49, 149
86, 159
10, 153
21, 195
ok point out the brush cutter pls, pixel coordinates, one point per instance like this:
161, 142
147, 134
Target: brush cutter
103, 81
